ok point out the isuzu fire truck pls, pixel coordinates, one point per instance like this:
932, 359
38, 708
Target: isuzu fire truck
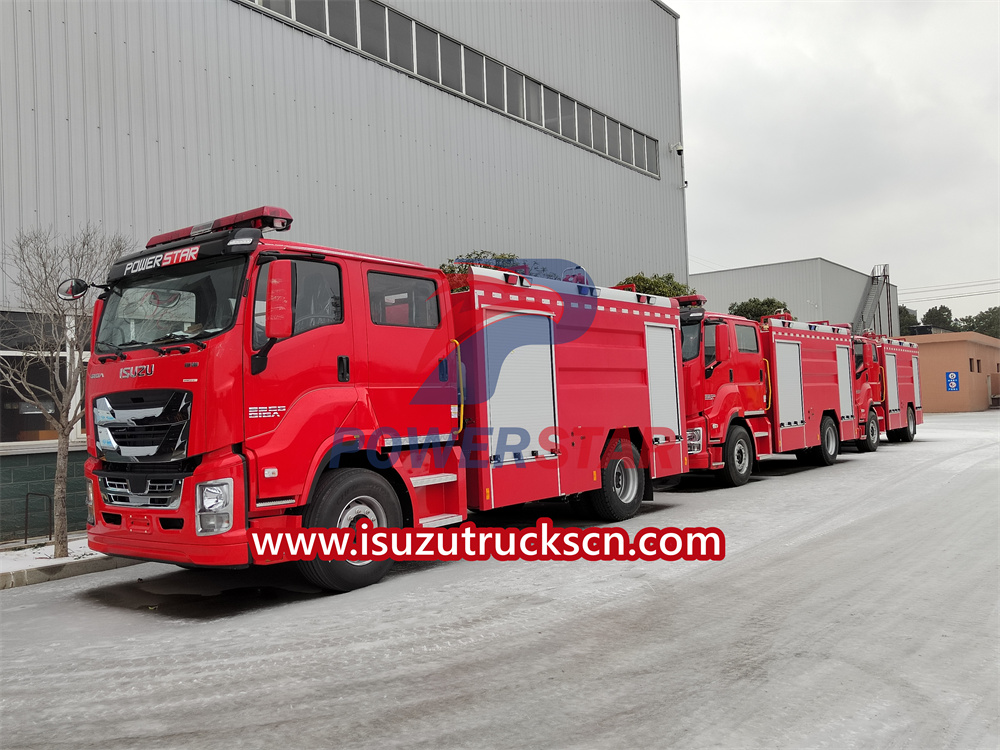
886, 389
753, 390
239, 384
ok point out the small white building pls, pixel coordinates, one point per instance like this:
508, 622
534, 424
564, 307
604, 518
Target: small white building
813, 289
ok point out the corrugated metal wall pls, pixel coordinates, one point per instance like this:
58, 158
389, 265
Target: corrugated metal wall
813, 289
149, 116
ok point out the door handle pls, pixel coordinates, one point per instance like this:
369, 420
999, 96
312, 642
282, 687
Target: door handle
730, 376
443, 370
343, 369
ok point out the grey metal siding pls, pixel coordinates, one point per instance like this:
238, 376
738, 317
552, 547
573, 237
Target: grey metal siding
150, 116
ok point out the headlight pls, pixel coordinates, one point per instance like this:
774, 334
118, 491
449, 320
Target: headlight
214, 511
694, 440
90, 503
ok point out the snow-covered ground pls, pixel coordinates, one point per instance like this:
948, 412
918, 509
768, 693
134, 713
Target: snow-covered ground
856, 608
38, 557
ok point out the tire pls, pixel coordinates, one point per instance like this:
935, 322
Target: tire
738, 456
829, 442
342, 498
622, 482
907, 434
869, 443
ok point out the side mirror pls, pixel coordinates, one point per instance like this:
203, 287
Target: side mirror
72, 289
721, 343
278, 315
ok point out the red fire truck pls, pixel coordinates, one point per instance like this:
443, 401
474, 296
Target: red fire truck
887, 389
756, 390
239, 383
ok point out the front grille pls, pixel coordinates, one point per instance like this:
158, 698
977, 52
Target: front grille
140, 492
146, 435
143, 426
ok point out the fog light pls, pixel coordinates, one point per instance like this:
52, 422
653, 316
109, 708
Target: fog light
214, 507
90, 503
694, 440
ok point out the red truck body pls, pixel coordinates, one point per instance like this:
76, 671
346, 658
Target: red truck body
887, 388
234, 376
754, 390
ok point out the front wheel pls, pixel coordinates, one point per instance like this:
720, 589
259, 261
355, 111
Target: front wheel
829, 442
738, 456
342, 499
622, 482
869, 444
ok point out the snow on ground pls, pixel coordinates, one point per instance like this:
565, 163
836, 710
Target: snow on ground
38, 557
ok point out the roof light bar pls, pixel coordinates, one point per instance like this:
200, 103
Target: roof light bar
265, 217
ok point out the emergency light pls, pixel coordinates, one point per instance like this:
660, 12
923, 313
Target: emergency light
265, 217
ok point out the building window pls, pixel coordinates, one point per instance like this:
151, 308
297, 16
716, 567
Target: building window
427, 54
551, 104
533, 101
515, 93
312, 13
972, 367
344, 21
583, 122
494, 84
400, 40
373, 40
451, 64
403, 42
475, 83
979, 365
398, 300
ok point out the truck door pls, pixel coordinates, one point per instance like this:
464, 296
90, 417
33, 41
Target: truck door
306, 388
520, 371
749, 367
845, 383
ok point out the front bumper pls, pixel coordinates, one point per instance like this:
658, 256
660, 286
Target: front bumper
169, 534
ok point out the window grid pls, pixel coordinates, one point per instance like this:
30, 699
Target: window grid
648, 162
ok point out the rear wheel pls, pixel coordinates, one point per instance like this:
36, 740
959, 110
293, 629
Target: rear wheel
869, 443
738, 456
829, 442
622, 482
342, 499
907, 433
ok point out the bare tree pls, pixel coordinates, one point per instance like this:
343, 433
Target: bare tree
53, 335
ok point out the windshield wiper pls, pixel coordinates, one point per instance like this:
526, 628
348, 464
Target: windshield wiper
119, 354
185, 337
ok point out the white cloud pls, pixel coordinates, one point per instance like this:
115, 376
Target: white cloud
863, 132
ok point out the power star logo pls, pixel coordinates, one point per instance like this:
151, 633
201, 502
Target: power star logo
170, 258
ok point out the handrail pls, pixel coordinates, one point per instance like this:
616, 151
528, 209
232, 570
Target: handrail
767, 369
461, 387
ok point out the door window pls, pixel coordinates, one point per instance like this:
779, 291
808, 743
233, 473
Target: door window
317, 298
398, 300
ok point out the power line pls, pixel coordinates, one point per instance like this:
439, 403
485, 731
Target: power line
951, 296
947, 286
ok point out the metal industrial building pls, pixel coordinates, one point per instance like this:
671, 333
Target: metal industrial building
813, 289
414, 129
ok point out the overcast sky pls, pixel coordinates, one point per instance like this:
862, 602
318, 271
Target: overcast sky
862, 132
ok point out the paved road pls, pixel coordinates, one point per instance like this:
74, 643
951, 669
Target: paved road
857, 607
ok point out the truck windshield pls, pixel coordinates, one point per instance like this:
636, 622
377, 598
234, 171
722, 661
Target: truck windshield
690, 340
190, 300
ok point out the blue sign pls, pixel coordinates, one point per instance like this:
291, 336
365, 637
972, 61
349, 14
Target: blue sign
951, 381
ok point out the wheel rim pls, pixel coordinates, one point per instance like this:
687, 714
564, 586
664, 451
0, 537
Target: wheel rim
363, 506
872, 431
741, 457
625, 480
830, 441
910, 422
